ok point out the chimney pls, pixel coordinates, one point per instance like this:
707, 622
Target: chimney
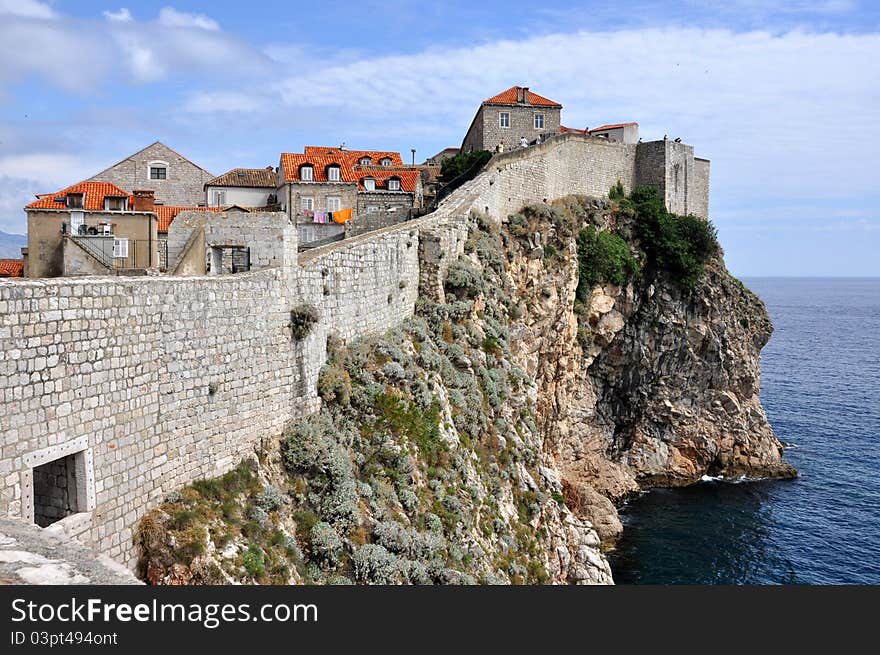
519, 94
525, 95
144, 200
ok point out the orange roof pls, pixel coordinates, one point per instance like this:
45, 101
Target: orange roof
375, 155
320, 158
509, 98
616, 126
564, 129
94, 194
11, 268
408, 177
166, 213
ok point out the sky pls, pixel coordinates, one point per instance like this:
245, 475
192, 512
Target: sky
783, 97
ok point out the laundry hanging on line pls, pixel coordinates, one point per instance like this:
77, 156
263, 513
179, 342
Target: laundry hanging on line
342, 216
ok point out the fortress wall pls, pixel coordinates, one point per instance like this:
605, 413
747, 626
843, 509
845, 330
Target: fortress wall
151, 383
699, 204
156, 382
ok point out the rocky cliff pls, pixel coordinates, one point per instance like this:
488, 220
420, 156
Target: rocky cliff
584, 351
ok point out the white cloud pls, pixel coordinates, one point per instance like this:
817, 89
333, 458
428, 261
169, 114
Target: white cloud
224, 101
26, 9
170, 17
121, 16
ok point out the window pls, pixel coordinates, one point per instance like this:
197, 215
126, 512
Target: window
306, 173
394, 184
385, 161
372, 209
334, 204
115, 204
75, 200
504, 119
369, 184
333, 173
365, 161
120, 248
219, 198
539, 121
307, 203
158, 173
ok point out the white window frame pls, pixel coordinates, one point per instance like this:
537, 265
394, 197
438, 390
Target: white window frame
77, 218
158, 164
504, 119
385, 161
365, 161
334, 203
120, 248
68, 197
303, 170
394, 184
334, 173
219, 197
369, 184
539, 118
107, 207
307, 202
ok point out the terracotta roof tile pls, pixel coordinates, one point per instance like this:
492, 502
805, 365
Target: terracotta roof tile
94, 194
246, 177
408, 177
509, 98
563, 130
616, 126
166, 213
321, 158
11, 268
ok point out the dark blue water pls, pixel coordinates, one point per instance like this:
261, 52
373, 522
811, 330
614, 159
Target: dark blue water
821, 390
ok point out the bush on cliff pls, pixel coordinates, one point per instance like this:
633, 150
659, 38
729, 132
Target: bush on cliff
678, 245
602, 257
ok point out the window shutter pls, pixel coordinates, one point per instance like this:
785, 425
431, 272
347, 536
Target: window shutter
76, 219
120, 248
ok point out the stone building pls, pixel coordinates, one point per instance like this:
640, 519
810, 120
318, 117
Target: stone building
622, 132
91, 228
324, 180
245, 187
509, 117
174, 178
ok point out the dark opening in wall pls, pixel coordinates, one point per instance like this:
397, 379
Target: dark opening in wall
55, 490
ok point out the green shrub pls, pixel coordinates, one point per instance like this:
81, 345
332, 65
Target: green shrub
302, 320
677, 245
254, 561
616, 192
602, 257
463, 280
452, 167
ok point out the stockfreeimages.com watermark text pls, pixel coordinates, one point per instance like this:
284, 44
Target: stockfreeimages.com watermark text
208, 615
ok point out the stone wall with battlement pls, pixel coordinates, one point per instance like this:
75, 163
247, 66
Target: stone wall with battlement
153, 382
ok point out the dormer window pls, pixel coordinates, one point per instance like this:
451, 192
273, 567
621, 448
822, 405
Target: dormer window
385, 161
394, 184
333, 173
369, 184
115, 203
75, 200
365, 161
306, 173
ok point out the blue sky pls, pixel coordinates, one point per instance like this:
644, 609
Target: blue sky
783, 97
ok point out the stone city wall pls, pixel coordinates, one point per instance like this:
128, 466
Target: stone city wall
151, 383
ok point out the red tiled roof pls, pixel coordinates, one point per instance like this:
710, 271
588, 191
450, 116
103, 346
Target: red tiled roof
166, 213
321, 158
509, 98
11, 268
563, 129
246, 177
616, 126
94, 194
408, 177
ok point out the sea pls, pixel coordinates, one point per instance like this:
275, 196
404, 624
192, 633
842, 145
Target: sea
820, 386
